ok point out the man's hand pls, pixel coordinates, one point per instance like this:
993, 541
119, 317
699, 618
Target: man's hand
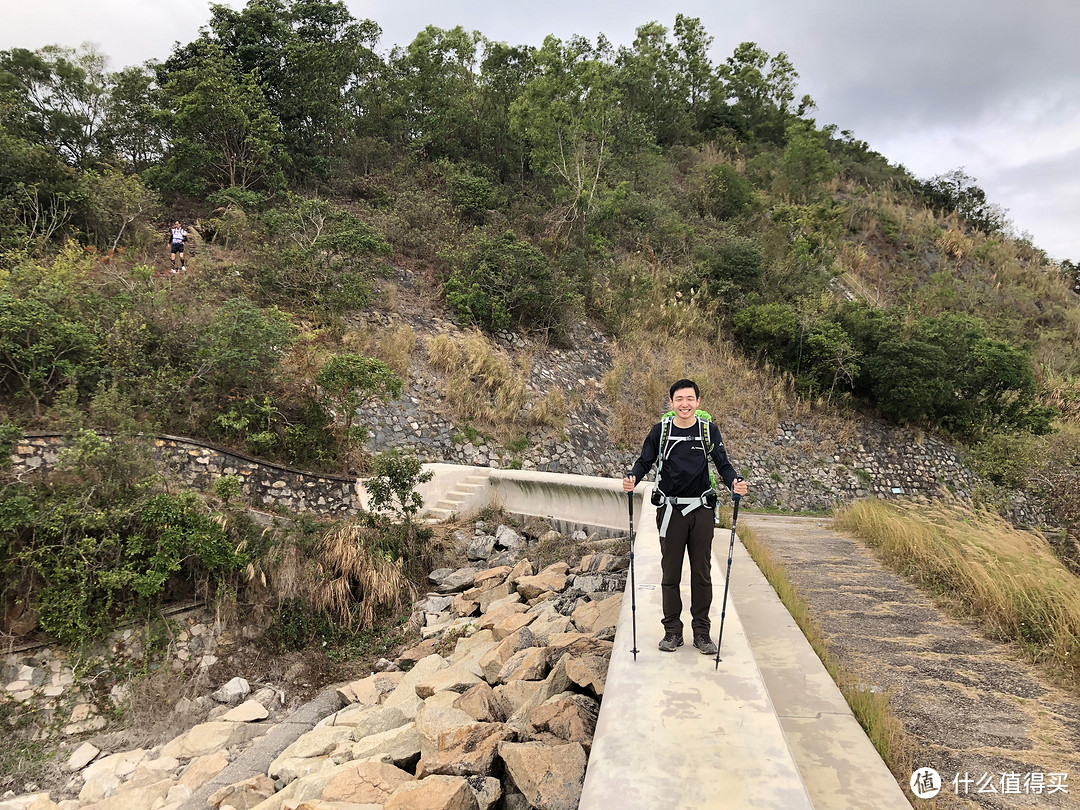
739, 487
628, 483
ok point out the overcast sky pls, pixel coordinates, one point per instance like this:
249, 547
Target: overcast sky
989, 85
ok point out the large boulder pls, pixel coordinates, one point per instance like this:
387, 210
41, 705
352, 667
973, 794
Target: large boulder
468, 750
405, 697
550, 777
371, 690
398, 746
434, 793
569, 717
552, 578
495, 659
589, 672
460, 580
479, 703
591, 617
365, 783
433, 720
243, 795
530, 664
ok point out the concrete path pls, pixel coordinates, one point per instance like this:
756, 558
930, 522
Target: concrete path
837, 762
674, 730
768, 729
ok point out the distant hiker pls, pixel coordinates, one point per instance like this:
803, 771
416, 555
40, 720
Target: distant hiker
681, 446
177, 236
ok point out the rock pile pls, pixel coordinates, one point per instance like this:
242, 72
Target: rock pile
494, 709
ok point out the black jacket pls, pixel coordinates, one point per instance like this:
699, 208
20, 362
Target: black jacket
685, 472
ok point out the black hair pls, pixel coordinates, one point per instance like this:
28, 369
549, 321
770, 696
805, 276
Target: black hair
681, 384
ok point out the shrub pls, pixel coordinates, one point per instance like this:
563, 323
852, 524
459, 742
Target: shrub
500, 281
319, 256
470, 194
96, 540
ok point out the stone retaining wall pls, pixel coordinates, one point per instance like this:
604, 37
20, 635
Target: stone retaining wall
199, 464
798, 468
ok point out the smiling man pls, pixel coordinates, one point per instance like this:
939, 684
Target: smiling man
681, 446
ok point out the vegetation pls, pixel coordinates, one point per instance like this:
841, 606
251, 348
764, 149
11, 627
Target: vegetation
693, 210
1008, 579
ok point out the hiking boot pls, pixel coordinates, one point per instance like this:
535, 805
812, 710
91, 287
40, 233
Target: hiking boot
704, 643
670, 642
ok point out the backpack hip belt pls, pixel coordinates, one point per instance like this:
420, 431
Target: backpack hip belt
684, 505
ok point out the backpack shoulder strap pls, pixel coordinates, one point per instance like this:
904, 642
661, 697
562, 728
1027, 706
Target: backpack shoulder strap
665, 432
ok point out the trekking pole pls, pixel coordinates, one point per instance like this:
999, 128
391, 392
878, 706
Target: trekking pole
727, 577
633, 585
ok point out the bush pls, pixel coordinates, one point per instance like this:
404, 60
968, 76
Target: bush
727, 193
470, 194
319, 256
96, 540
500, 281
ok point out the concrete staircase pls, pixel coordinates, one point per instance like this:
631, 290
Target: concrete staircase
464, 496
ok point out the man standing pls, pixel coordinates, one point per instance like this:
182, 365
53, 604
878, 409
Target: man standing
177, 235
681, 446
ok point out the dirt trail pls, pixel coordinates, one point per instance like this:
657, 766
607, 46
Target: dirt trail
971, 705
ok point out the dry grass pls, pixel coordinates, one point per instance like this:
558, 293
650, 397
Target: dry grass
956, 244
551, 410
870, 708
483, 387
344, 575
742, 399
1062, 393
1008, 579
395, 347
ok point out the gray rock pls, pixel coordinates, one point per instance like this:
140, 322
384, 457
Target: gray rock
232, 692
459, 580
505, 537
480, 547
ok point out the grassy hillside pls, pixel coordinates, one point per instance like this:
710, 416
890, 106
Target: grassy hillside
694, 212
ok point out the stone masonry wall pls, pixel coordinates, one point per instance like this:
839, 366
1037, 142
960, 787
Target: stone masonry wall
798, 468
198, 465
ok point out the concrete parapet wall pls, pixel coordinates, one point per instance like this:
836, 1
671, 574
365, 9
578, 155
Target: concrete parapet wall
581, 499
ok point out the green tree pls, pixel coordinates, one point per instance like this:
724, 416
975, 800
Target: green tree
805, 163
117, 205
43, 350
59, 96
309, 55
758, 93
652, 85
132, 130
319, 255
571, 117
437, 82
350, 380
392, 489
239, 348
690, 56
223, 132
956, 191
502, 281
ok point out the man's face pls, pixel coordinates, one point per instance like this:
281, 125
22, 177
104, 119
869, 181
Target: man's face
684, 402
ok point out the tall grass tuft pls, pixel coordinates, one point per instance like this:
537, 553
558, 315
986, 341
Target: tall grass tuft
343, 574
483, 386
1009, 579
